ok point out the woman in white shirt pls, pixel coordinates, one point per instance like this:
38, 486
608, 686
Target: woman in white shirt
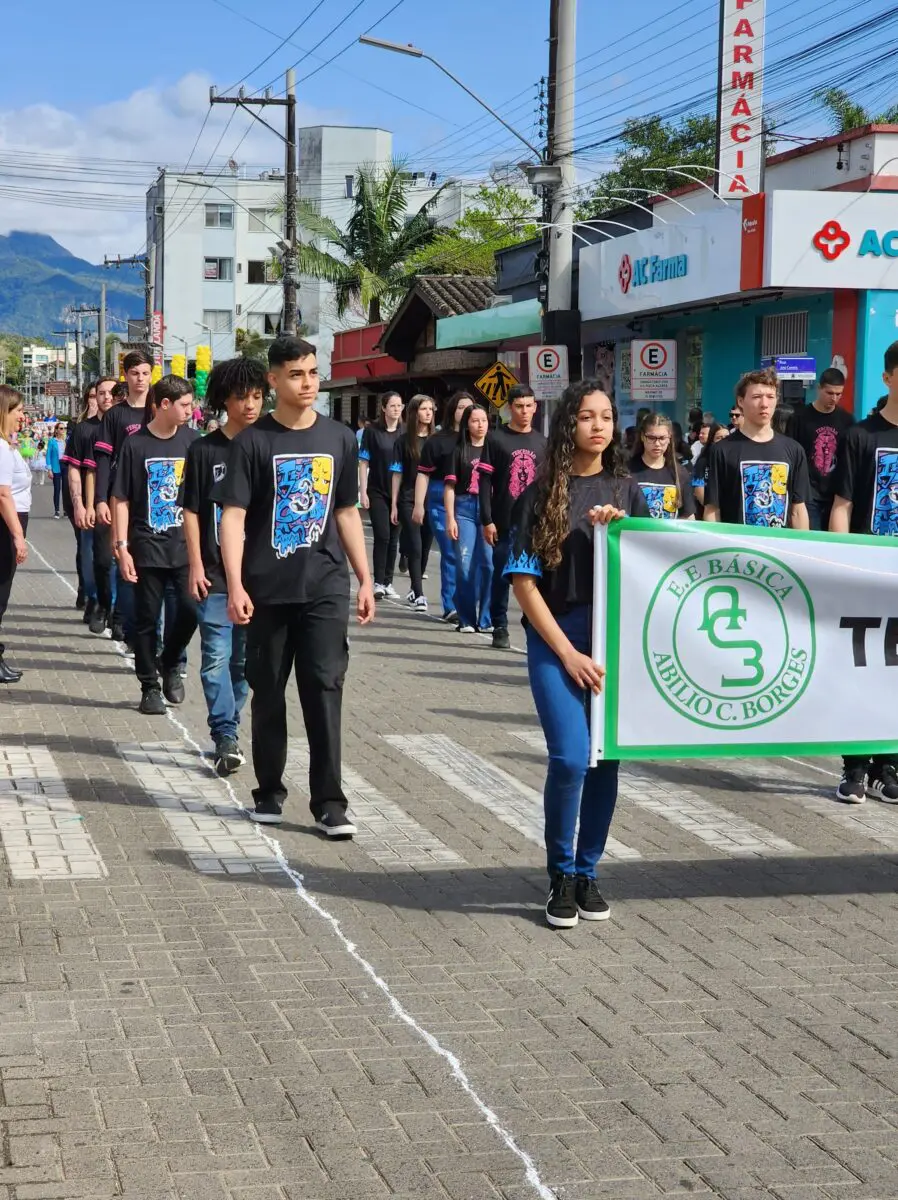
15, 505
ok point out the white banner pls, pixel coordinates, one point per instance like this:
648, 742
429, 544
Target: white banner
726, 641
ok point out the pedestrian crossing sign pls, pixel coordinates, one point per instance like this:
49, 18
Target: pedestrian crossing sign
496, 383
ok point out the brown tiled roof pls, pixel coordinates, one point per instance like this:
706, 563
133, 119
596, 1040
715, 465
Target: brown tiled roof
452, 295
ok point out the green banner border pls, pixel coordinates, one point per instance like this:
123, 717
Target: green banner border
613, 748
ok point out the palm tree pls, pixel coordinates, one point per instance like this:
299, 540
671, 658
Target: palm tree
369, 268
849, 114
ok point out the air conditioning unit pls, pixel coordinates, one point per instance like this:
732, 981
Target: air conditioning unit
500, 301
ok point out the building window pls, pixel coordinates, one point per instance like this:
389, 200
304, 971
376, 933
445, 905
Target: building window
221, 269
262, 220
218, 319
219, 216
784, 333
258, 271
350, 184
268, 324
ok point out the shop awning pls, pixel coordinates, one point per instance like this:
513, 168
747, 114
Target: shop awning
490, 326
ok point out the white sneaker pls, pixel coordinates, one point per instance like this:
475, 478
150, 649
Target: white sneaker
390, 593
379, 591
466, 629
421, 604
410, 598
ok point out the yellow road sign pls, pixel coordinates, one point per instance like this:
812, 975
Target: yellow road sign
496, 383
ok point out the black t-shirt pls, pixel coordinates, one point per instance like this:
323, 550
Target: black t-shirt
660, 490
377, 449
867, 475
570, 584
436, 454
515, 459
820, 435
755, 483
150, 476
405, 464
469, 467
207, 465
79, 449
290, 482
119, 423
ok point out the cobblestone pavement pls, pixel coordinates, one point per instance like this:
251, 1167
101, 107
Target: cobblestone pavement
192, 1010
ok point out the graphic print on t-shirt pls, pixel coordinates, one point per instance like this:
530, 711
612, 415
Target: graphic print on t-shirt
164, 476
521, 472
765, 493
219, 470
302, 496
885, 493
661, 499
823, 454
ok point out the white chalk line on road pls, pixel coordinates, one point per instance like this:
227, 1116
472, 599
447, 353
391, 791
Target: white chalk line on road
456, 1068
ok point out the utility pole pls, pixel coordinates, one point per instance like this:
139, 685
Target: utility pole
101, 331
561, 107
288, 247
146, 262
78, 313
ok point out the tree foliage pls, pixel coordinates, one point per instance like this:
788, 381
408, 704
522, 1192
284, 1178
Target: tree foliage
847, 114
500, 217
651, 142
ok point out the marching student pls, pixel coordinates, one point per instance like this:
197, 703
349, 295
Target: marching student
15, 507
149, 543
375, 485
289, 524
820, 428
97, 538
583, 482
436, 460
516, 451
666, 486
866, 501
55, 451
756, 476
473, 553
716, 434
417, 539
237, 388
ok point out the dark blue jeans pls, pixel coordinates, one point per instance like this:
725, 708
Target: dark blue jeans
501, 585
573, 790
473, 565
85, 538
223, 666
436, 516
819, 513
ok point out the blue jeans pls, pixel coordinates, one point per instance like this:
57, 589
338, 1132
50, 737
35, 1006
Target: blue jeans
86, 562
223, 666
436, 515
501, 585
573, 789
473, 565
819, 513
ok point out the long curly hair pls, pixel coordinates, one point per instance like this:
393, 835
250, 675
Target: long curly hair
553, 497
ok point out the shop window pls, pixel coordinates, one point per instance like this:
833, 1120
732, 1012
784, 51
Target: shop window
784, 333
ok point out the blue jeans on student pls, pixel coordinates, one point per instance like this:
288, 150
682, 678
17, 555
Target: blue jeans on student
501, 584
436, 515
223, 666
86, 562
573, 789
819, 513
473, 565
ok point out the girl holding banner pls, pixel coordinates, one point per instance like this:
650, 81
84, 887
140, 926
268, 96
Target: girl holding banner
583, 482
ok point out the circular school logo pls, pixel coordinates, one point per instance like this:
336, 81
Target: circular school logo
728, 638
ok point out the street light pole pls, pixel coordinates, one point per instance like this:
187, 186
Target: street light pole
290, 279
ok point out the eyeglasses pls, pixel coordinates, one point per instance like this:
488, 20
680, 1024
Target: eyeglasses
736, 416
657, 437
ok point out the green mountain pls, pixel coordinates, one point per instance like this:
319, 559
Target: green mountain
39, 279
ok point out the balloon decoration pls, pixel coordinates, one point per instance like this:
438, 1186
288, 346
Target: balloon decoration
203, 367
156, 375
179, 365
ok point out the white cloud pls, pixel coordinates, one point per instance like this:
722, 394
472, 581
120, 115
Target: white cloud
82, 177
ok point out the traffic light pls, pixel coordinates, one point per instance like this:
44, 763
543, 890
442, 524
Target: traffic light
203, 367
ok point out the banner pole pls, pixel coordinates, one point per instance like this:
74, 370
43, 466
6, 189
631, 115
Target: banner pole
599, 641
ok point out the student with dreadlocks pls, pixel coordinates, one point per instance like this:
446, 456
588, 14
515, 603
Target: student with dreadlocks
582, 482
236, 387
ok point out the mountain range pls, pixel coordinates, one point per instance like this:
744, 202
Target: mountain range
40, 279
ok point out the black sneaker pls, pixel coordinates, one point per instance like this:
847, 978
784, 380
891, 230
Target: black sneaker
882, 782
334, 821
267, 812
851, 786
500, 639
228, 758
80, 600
561, 906
118, 630
97, 623
89, 609
173, 686
151, 703
591, 903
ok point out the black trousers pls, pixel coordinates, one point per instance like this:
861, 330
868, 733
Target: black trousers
386, 537
103, 567
8, 565
149, 595
310, 641
417, 540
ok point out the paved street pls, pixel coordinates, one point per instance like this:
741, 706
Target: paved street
194, 1010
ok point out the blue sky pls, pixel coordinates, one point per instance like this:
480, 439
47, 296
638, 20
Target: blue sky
125, 84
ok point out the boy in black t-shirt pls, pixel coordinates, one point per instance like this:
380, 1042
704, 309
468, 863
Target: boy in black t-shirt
148, 525
866, 501
756, 476
236, 387
289, 524
820, 429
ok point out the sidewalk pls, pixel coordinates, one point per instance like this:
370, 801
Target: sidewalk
193, 1010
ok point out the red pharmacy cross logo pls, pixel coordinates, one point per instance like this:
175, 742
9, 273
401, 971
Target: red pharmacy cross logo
625, 273
832, 240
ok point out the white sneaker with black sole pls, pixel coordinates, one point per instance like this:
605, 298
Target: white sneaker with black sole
379, 591
390, 593
334, 822
421, 604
